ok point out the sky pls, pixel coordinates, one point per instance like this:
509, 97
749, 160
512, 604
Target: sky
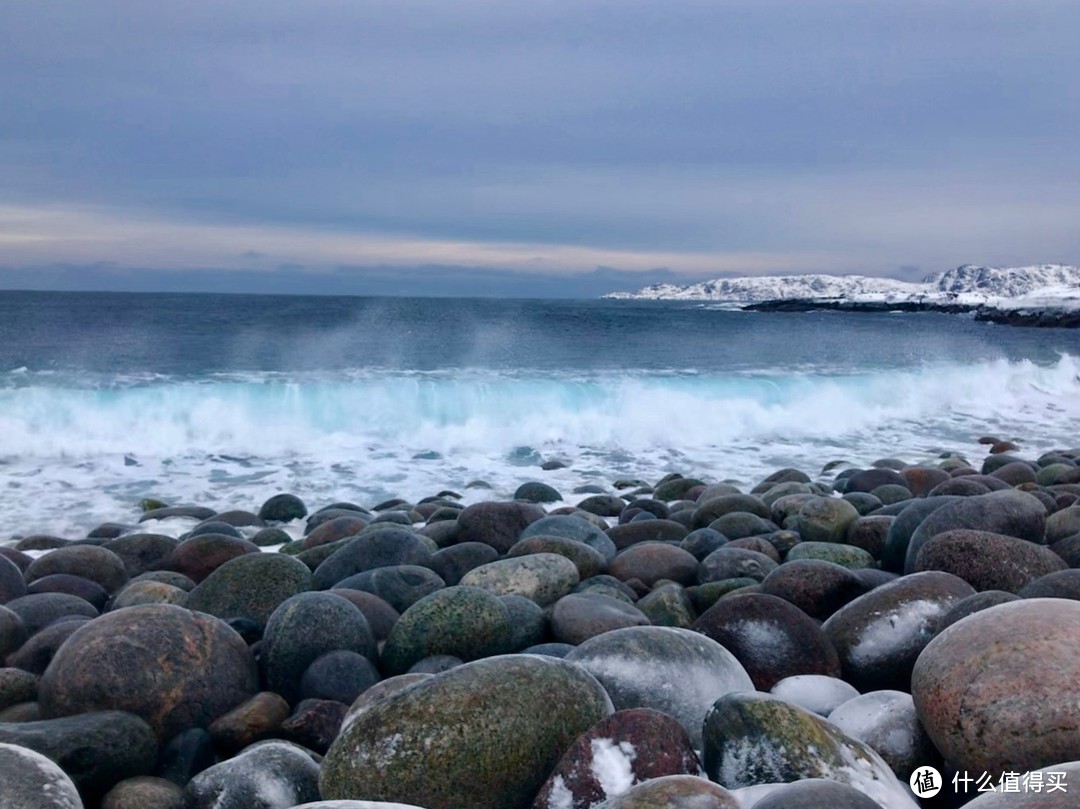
532, 149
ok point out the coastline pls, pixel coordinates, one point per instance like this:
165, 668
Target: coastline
1027, 318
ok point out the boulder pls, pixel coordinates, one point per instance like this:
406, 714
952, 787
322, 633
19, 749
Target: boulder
179, 669
995, 690
512, 717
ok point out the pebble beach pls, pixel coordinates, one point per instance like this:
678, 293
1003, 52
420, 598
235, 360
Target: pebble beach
822, 637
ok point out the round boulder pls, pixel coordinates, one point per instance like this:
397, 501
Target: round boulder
676, 671
465, 622
541, 577
772, 638
512, 718
250, 586
174, 668
988, 561
991, 690
305, 627
878, 636
26, 776
627, 748
825, 519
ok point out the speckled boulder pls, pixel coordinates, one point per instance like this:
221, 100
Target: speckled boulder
465, 622
1010, 512
314, 724
627, 748
26, 776
588, 561
268, 775
36, 654
988, 561
400, 586
674, 792
541, 577
734, 563
879, 636
200, 555
817, 587
836, 552
888, 722
250, 586
909, 518
179, 669
256, 719
387, 545
455, 561
754, 738
993, 689
305, 627
668, 605
679, 672
652, 561
283, 508
825, 519
579, 616
870, 533
88, 561
95, 749
17, 686
39, 610
144, 792
496, 524
770, 637
12, 632
87, 590
572, 527
513, 718
12, 583
1062, 584
142, 593
344, 525
716, 507
658, 530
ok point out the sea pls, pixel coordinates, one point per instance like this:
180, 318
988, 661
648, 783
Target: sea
225, 400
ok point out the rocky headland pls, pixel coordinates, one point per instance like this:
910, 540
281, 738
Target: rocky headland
1040, 296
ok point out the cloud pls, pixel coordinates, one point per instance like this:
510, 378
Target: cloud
745, 136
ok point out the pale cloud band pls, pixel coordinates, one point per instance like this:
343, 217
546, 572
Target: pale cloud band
46, 235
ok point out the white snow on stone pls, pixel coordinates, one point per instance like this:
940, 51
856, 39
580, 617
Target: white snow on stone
848, 762
54, 783
560, 797
815, 692
1037, 286
894, 629
865, 717
612, 765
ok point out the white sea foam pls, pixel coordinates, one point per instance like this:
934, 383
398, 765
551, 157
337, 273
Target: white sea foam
77, 450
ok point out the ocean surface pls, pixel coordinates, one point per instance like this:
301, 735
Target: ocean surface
225, 400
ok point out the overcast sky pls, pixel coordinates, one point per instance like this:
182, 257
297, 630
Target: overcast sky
530, 148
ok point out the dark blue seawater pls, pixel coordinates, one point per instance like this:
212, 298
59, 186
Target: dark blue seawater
226, 399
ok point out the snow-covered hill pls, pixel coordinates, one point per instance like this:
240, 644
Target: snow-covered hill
1014, 287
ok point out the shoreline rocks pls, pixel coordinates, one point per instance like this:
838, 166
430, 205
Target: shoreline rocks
534, 653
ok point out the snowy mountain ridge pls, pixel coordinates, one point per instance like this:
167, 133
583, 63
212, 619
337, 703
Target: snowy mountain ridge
1035, 285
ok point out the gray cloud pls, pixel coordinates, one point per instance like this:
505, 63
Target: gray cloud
873, 135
